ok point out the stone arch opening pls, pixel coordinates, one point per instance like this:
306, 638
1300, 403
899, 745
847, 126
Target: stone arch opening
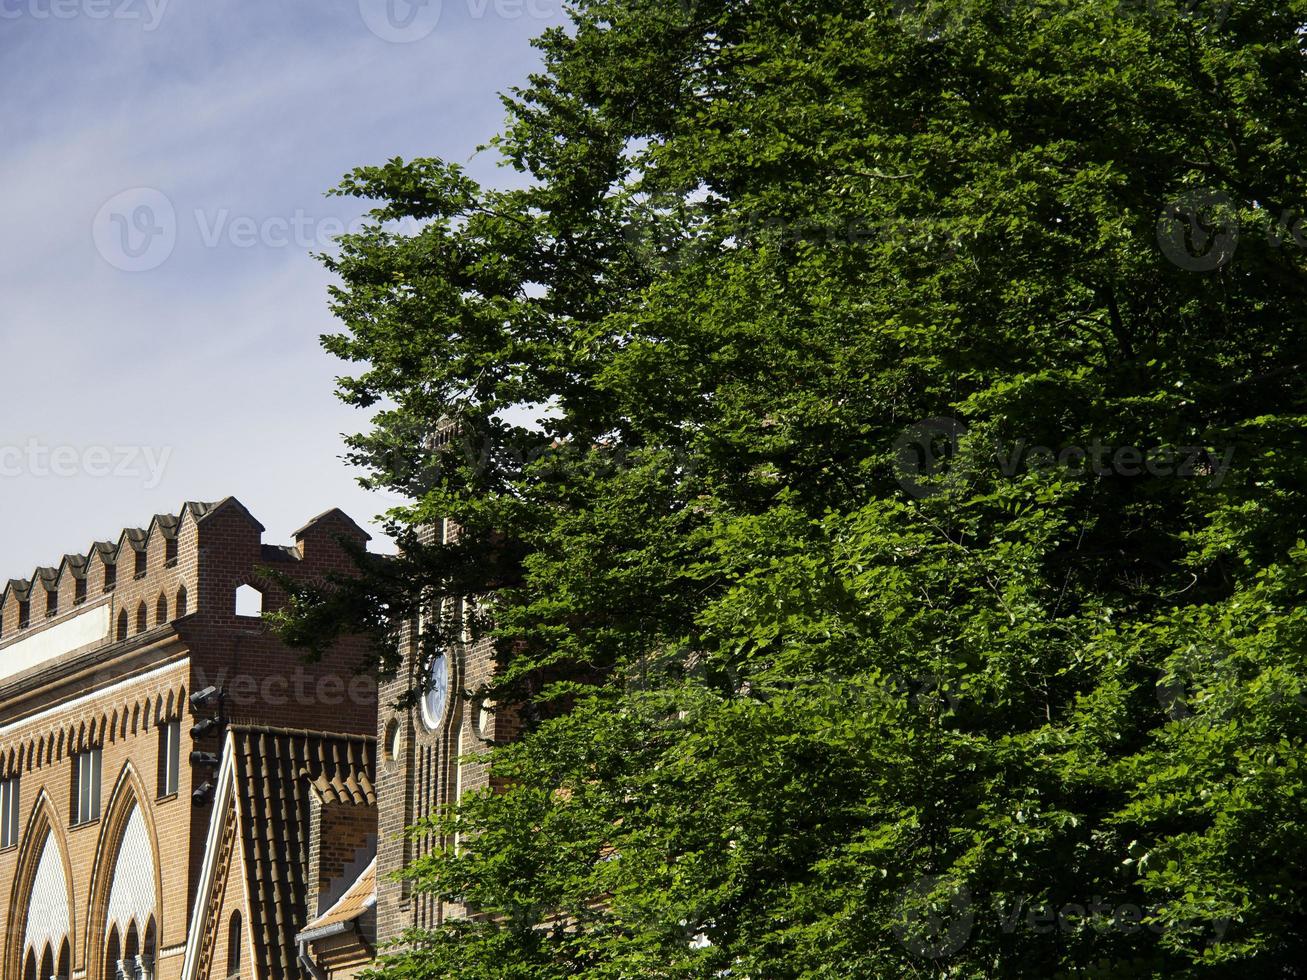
113, 952
249, 601
48, 925
125, 888
234, 944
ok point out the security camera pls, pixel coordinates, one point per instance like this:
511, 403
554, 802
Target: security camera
201, 698
205, 727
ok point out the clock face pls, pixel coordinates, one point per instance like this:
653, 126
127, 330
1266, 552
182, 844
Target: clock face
437, 693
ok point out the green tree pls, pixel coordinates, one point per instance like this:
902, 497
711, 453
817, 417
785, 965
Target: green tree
828, 670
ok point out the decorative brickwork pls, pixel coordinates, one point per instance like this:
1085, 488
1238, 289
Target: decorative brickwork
420, 769
99, 656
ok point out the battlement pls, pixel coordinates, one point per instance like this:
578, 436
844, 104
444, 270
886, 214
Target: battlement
198, 564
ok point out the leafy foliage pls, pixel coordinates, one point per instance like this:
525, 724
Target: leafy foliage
798, 707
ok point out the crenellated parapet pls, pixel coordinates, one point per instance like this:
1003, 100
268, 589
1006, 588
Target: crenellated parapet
126, 674
191, 566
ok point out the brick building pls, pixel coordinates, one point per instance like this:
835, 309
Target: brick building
428, 756
427, 759
179, 793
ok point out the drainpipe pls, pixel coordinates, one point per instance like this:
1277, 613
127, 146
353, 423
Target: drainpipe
313, 935
307, 961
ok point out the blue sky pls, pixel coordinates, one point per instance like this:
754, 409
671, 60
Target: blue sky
163, 164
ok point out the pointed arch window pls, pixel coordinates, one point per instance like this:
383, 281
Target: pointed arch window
234, 945
112, 953
48, 922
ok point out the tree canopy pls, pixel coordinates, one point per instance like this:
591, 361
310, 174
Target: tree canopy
905, 574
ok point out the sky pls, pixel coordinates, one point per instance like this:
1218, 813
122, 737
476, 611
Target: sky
163, 168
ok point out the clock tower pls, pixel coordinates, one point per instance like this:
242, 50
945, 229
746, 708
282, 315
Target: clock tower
427, 753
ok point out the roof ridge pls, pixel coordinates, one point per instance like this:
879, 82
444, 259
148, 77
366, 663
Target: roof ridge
245, 728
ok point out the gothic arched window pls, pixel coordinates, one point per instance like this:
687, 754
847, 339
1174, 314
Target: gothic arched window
234, 945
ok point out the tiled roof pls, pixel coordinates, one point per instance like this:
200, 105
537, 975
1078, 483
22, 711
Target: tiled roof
275, 773
345, 784
358, 898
